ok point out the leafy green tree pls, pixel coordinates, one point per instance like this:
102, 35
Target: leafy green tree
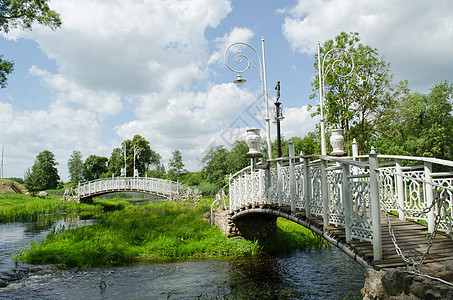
6, 68
310, 144
237, 160
145, 160
359, 102
44, 173
216, 165
176, 166
94, 167
33, 182
75, 167
421, 125
23, 13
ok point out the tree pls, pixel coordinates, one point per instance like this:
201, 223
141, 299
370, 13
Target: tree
75, 166
43, 174
421, 125
33, 182
176, 166
216, 165
237, 160
94, 167
145, 159
23, 13
357, 103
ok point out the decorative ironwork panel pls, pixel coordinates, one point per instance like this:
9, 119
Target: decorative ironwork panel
445, 198
336, 207
286, 191
299, 174
361, 215
388, 191
315, 199
414, 198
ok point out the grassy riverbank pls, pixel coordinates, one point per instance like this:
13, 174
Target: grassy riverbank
156, 232
25, 208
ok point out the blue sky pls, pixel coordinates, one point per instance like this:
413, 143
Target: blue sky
155, 68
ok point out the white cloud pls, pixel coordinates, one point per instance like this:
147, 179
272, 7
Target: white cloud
104, 103
414, 36
237, 34
188, 121
130, 46
297, 122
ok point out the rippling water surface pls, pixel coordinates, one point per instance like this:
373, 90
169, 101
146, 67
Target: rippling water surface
315, 274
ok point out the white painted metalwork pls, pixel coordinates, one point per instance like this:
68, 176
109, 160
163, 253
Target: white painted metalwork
357, 191
155, 186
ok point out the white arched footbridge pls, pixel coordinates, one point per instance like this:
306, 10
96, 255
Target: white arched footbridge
154, 186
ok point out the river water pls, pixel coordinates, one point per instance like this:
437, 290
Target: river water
314, 274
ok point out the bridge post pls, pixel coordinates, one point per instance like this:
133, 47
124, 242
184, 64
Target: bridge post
347, 202
279, 183
375, 205
429, 195
307, 188
324, 193
292, 177
400, 189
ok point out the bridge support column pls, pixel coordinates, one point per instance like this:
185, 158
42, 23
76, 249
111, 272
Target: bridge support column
375, 205
400, 189
307, 188
429, 195
292, 177
324, 193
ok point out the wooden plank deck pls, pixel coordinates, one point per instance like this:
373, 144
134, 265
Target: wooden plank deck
412, 238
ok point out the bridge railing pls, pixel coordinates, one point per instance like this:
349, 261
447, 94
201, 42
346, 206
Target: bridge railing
350, 192
161, 187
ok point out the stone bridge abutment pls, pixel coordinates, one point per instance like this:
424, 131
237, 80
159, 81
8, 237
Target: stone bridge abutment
252, 226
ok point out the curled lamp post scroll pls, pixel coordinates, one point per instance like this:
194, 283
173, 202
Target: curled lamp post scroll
340, 63
241, 59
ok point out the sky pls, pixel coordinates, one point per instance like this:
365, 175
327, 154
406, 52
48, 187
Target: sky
156, 68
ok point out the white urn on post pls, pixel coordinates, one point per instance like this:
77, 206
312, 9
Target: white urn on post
337, 142
253, 141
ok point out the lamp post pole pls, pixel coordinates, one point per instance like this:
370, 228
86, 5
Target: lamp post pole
261, 69
323, 128
277, 120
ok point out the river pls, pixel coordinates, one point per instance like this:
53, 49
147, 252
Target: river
314, 274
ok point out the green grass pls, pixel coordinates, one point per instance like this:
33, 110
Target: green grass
158, 231
291, 236
154, 232
25, 208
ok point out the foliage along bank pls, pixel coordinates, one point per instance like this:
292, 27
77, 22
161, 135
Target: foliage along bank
153, 232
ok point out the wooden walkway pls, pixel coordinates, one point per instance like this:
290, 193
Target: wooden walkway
412, 238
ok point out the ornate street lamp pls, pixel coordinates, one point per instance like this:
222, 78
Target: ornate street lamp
261, 69
338, 62
278, 118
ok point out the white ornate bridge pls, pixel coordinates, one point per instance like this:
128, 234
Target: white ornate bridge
155, 186
364, 205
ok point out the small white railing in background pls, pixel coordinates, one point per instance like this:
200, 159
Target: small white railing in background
156, 186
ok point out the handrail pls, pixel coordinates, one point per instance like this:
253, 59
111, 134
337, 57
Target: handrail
348, 192
156, 186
